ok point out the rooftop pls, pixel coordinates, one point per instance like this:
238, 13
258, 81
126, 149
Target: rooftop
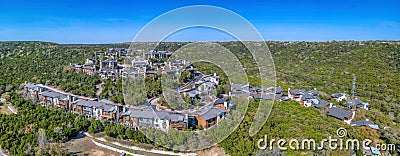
213, 112
90, 103
53, 94
339, 113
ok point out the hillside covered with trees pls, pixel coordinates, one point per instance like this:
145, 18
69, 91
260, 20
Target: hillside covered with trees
327, 66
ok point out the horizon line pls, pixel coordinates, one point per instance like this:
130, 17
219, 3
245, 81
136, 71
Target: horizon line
326, 41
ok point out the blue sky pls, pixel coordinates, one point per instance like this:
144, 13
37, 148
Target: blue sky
103, 21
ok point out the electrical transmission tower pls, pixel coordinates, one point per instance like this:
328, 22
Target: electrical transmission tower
353, 90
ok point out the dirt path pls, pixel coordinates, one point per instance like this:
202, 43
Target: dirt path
99, 88
214, 150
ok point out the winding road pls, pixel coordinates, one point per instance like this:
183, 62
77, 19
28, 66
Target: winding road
134, 148
11, 108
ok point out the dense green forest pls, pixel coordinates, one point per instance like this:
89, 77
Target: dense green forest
43, 62
112, 91
327, 66
36, 129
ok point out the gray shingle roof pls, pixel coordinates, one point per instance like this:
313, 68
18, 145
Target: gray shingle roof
127, 113
266, 96
175, 117
221, 101
109, 108
284, 98
109, 70
336, 95
278, 90
339, 113
306, 97
150, 72
172, 71
30, 85
53, 94
318, 103
238, 86
296, 92
162, 114
89, 103
362, 123
213, 113
302, 92
242, 95
354, 102
107, 61
147, 112
106, 101
256, 89
89, 67
313, 92
76, 65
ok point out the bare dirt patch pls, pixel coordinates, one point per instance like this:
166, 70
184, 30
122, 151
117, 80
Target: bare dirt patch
85, 146
214, 151
4, 109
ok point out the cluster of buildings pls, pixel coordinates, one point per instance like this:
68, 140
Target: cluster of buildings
200, 85
114, 53
110, 69
147, 116
150, 117
147, 67
157, 54
308, 98
107, 69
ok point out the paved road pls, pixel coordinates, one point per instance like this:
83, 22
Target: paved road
113, 148
11, 108
135, 148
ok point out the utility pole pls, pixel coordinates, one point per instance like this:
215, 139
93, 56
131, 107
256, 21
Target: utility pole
353, 90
